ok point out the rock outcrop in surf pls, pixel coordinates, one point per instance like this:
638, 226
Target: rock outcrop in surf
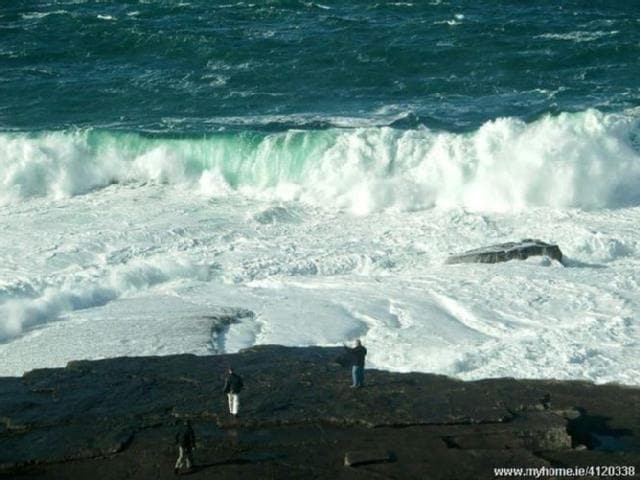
504, 252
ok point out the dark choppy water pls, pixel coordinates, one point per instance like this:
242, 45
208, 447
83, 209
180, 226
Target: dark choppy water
199, 66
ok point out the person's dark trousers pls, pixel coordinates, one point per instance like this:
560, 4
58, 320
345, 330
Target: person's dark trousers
185, 459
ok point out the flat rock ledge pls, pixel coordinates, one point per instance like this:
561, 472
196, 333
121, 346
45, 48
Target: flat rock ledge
504, 252
300, 419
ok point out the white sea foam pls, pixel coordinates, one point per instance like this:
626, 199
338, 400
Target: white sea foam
114, 244
40, 15
579, 36
316, 276
586, 160
90, 289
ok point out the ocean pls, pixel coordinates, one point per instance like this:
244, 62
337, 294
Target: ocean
204, 176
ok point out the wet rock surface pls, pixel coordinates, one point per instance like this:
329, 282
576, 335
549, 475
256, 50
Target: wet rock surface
504, 252
299, 418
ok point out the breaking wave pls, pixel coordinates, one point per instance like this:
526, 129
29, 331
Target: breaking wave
584, 160
25, 308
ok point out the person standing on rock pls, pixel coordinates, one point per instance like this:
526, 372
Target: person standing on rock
233, 387
356, 356
186, 440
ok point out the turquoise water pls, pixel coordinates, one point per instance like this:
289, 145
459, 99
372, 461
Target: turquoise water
199, 66
418, 104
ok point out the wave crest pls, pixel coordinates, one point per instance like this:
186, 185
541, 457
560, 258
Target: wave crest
583, 160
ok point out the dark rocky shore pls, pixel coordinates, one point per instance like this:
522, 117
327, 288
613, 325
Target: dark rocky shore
116, 419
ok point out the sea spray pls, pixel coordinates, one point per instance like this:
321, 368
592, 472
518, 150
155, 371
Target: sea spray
46, 303
584, 160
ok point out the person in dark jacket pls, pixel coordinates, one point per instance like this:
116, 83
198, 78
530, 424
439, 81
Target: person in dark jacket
356, 356
186, 441
233, 387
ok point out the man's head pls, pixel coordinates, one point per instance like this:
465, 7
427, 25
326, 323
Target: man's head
230, 370
357, 343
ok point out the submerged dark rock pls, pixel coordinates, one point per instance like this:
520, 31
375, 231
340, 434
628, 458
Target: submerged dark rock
117, 418
504, 252
367, 457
